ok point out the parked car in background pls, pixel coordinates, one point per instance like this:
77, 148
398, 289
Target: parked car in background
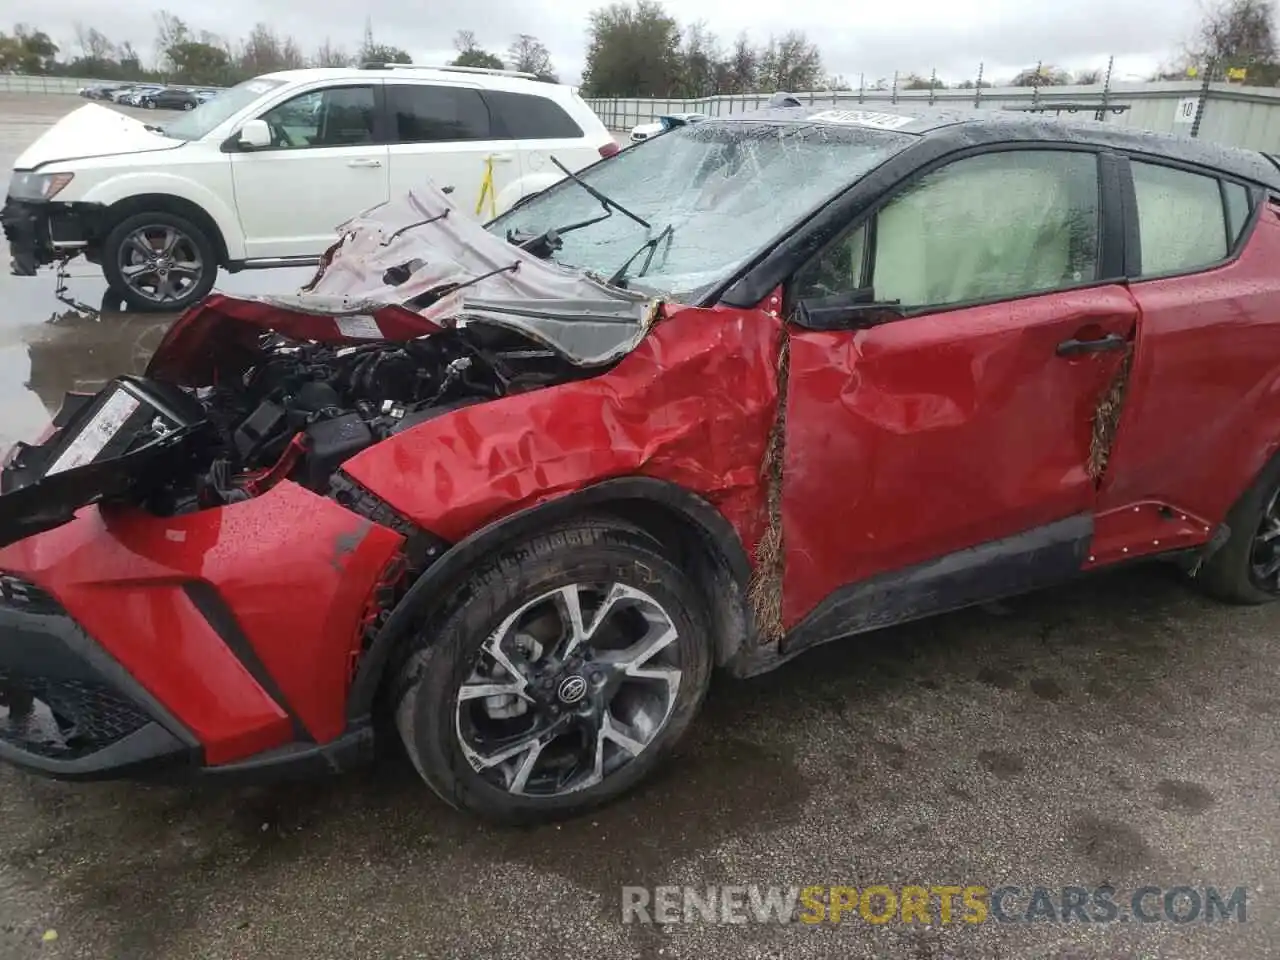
643, 131
264, 173
121, 94
135, 98
169, 98
795, 375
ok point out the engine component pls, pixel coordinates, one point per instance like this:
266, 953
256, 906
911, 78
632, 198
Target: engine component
330, 442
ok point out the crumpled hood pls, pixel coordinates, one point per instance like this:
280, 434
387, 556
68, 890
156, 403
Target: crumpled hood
92, 131
423, 254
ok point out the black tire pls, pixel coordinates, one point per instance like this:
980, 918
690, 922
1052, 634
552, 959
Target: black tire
149, 104
188, 105
426, 687
159, 220
1228, 575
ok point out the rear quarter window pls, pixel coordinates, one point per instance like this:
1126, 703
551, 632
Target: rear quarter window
521, 116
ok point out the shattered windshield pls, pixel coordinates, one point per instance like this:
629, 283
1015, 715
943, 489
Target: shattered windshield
714, 194
198, 122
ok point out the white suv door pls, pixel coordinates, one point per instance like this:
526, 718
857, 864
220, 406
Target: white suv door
538, 128
441, 133
327, 163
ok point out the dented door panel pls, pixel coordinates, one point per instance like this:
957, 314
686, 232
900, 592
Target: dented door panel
1201, 413
930, 434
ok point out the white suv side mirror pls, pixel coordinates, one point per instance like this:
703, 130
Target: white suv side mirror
254, 134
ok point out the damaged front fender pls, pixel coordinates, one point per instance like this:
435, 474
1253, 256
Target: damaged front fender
692, 403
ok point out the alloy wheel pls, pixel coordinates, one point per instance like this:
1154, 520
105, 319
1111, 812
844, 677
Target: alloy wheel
1264, 557
160, 263
569, 688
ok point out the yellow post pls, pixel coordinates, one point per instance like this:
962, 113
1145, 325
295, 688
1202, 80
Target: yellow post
486, 189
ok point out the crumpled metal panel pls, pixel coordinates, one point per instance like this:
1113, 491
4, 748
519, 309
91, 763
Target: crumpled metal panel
693, 404
408, 268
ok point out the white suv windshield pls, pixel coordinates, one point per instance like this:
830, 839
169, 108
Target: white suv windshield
725, 190
198, 123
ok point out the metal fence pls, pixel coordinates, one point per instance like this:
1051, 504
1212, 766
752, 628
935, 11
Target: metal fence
1227, 113
21, 83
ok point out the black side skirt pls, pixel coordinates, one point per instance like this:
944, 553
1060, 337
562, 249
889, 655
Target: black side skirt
1014, 565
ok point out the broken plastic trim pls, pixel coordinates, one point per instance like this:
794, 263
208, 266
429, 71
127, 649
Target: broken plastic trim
587, 333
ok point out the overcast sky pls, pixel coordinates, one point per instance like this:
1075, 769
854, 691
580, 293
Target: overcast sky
874, 38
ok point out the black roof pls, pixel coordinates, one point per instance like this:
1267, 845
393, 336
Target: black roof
971, 127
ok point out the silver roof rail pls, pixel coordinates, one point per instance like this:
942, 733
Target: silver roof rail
448, 68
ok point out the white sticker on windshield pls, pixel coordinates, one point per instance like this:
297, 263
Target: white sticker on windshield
359, 327
863, 118
90, 441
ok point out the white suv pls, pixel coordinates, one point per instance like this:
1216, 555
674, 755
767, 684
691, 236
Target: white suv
261, 175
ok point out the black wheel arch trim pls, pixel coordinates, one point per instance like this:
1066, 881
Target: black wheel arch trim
704, 518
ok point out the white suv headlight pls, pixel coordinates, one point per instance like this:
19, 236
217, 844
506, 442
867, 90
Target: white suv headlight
37, 186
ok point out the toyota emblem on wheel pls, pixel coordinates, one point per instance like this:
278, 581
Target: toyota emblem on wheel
572, 689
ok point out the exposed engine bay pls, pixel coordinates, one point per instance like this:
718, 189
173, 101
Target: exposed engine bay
298, 412
306, 408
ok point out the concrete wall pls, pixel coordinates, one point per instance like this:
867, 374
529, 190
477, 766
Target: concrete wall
1231, 114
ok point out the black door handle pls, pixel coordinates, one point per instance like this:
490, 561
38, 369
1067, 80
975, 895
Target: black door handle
1073, 348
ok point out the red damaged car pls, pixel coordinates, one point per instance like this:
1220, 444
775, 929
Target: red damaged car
753, 385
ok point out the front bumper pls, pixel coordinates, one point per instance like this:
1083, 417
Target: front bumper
40, 231
68, 709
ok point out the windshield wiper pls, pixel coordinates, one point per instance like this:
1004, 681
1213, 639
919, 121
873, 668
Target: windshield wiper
598, 195
619, 278
544, 244
154, 128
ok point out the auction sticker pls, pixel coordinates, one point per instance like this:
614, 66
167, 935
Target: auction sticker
862, 118
359, 327
90, 441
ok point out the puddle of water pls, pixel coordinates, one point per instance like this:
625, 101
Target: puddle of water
47, 348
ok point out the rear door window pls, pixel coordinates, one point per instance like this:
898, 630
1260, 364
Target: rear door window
433, 113
1182, 222
519, 116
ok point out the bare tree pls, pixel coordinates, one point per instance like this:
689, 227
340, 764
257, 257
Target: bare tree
791, 63
744, 66
93, 44
1238, 34
327, 55
528, 54
701, 55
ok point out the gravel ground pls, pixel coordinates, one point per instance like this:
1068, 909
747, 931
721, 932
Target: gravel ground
1121, 730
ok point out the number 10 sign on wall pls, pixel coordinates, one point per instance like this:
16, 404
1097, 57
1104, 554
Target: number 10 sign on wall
1186, 110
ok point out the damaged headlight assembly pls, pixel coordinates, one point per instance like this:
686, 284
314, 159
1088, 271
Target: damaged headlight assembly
25, 185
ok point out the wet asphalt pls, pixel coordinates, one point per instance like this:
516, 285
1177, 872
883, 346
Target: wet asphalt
1122, 730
